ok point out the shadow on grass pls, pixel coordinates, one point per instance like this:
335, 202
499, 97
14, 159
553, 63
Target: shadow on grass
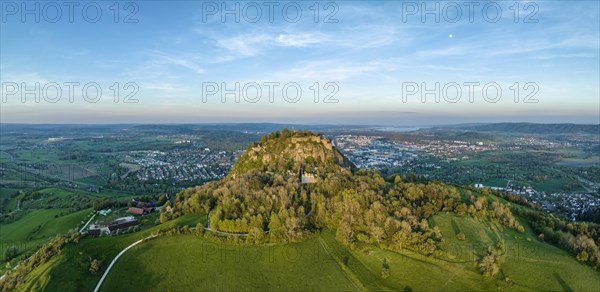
562, 282
455, 227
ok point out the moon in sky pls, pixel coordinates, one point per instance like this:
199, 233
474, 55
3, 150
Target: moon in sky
450, 35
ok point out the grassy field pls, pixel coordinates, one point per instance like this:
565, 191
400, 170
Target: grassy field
556, 186
407, 270
575, 157
164, 264
496, 182
529, 264
71, 267
189, 262
55, 197
580, 162
40, 224
10, 194
35, 228
540, 169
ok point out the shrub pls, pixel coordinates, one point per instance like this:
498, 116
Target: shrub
95, 266
11, 253
488, 266
385, 269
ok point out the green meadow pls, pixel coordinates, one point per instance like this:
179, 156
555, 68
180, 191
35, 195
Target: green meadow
184, 262
35, 228
187, 262
320, 263
529, 264
72, 265
41, 224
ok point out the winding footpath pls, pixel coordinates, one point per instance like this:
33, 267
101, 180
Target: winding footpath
117, 257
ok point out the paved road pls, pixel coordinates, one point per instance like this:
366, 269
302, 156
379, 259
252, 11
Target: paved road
112, 263
86, 224
116, 258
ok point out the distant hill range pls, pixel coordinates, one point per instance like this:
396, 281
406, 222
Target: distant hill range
534, 128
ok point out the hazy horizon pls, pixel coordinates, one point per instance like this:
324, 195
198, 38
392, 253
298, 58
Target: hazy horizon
286, 123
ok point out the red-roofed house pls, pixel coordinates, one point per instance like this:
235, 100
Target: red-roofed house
135, 211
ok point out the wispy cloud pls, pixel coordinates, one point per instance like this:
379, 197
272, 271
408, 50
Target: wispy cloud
300, 40
188, 62
249, 45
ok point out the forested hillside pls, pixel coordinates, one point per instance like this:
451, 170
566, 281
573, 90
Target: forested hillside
266, 198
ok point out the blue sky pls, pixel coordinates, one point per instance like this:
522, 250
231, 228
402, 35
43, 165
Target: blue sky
369, 54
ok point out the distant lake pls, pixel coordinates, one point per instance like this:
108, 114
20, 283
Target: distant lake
399, 129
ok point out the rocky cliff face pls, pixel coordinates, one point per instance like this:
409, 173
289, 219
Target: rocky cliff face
292, 151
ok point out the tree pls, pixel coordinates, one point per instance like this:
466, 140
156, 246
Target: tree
488, 266
199, 229
275, 227
255, 235
461, 236
11, 253
215, 218
163, 217
583, 256
397, 180
95, 266
385, 268
471, 210
377, 233
344, 232
461, 209
161, 200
